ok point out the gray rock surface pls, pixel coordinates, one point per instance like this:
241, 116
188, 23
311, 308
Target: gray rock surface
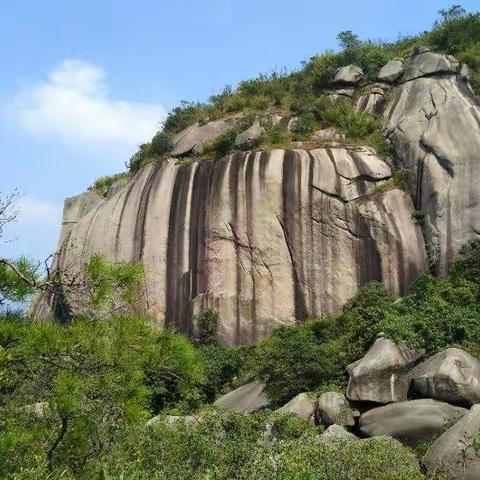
410, 422
424, 63
336, 433
392, 71
248, 398
348, 75
381, 375
434, 126
301, 405
334, 409
194, 138
328, 135
452, 375
116, 187
372, 99
453, 454
250, 137
265, 238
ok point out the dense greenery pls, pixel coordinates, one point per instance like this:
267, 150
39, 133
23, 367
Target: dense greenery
75, 398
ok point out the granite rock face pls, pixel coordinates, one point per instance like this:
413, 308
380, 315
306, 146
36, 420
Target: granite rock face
336, 433
250, 137
452, 376
392, 71
434, 126
453, 454
381, 375
248, 398
349, 75
266, 238
301, 405
410, 422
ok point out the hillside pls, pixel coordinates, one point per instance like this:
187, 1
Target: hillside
285, 284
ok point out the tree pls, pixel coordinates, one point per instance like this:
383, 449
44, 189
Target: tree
348, 40
452, 13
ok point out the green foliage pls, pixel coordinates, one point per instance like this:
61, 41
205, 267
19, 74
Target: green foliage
206, 323
13, 287
223, 144
102, 184
467, 262
237, 447
99, 379
304, 126
109, 281
400, 179
162, 143
144, 155
348, 40
183, 116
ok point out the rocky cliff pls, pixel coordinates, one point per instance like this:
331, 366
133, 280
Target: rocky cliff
274, 237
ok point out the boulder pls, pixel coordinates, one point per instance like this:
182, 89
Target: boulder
410, 422
116, 187
194, 138
173, 420
424, 63
380, 376
345, 92
392, 71
247, 399
454, 454
301, 405
336, 433
452, 376
334, 409
328, 135
348, 75
250, 137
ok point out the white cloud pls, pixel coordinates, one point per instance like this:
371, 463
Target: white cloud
74, 103
35, 210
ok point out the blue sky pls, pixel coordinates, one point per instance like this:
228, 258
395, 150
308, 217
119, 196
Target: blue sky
84, 82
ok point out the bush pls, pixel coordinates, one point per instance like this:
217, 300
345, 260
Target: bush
467, 263
102, 184
222, 145
304, 125
206, 324
162, 143
183, 116
139, 159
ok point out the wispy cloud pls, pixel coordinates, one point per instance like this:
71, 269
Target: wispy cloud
75, 103
33, 210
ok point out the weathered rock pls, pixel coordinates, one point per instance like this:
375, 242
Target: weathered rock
173, 420
116, 187
345, 92
301, 405
349, 75
247, 399
424, 63
392, 71
452, 376
194, 138
410, 422
334, 409
435, 129
454, 454
265, 238
336, 433
371, 99
250, 137
328, 135
380, 376
39, 409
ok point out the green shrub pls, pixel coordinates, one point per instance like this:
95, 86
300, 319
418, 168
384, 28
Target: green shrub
144, 155
102, 184
275, 134
304, 126
467, 262
183, 116
222, 145
206, 326
162, 143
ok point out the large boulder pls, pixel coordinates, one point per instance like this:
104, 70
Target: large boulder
452, 376
301, 405
194, 138
410, 422
348, 75
250, 137
336, 433
454, 453
372, 99
381, 375
392, 71
424, 63
247, 399
334, 408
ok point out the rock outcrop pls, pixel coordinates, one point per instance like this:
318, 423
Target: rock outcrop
248, 398
410, 422
265, 238
392, 71
301, 405
381, 375
349, 75
434, 126
334, 409
452, 376
454, 453
336, 433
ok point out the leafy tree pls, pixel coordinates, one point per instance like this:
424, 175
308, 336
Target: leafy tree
452, 13
348, 40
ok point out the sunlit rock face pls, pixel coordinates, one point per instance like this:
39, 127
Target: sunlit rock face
266, 238
434, 126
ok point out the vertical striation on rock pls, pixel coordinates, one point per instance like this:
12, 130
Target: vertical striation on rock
265, 238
